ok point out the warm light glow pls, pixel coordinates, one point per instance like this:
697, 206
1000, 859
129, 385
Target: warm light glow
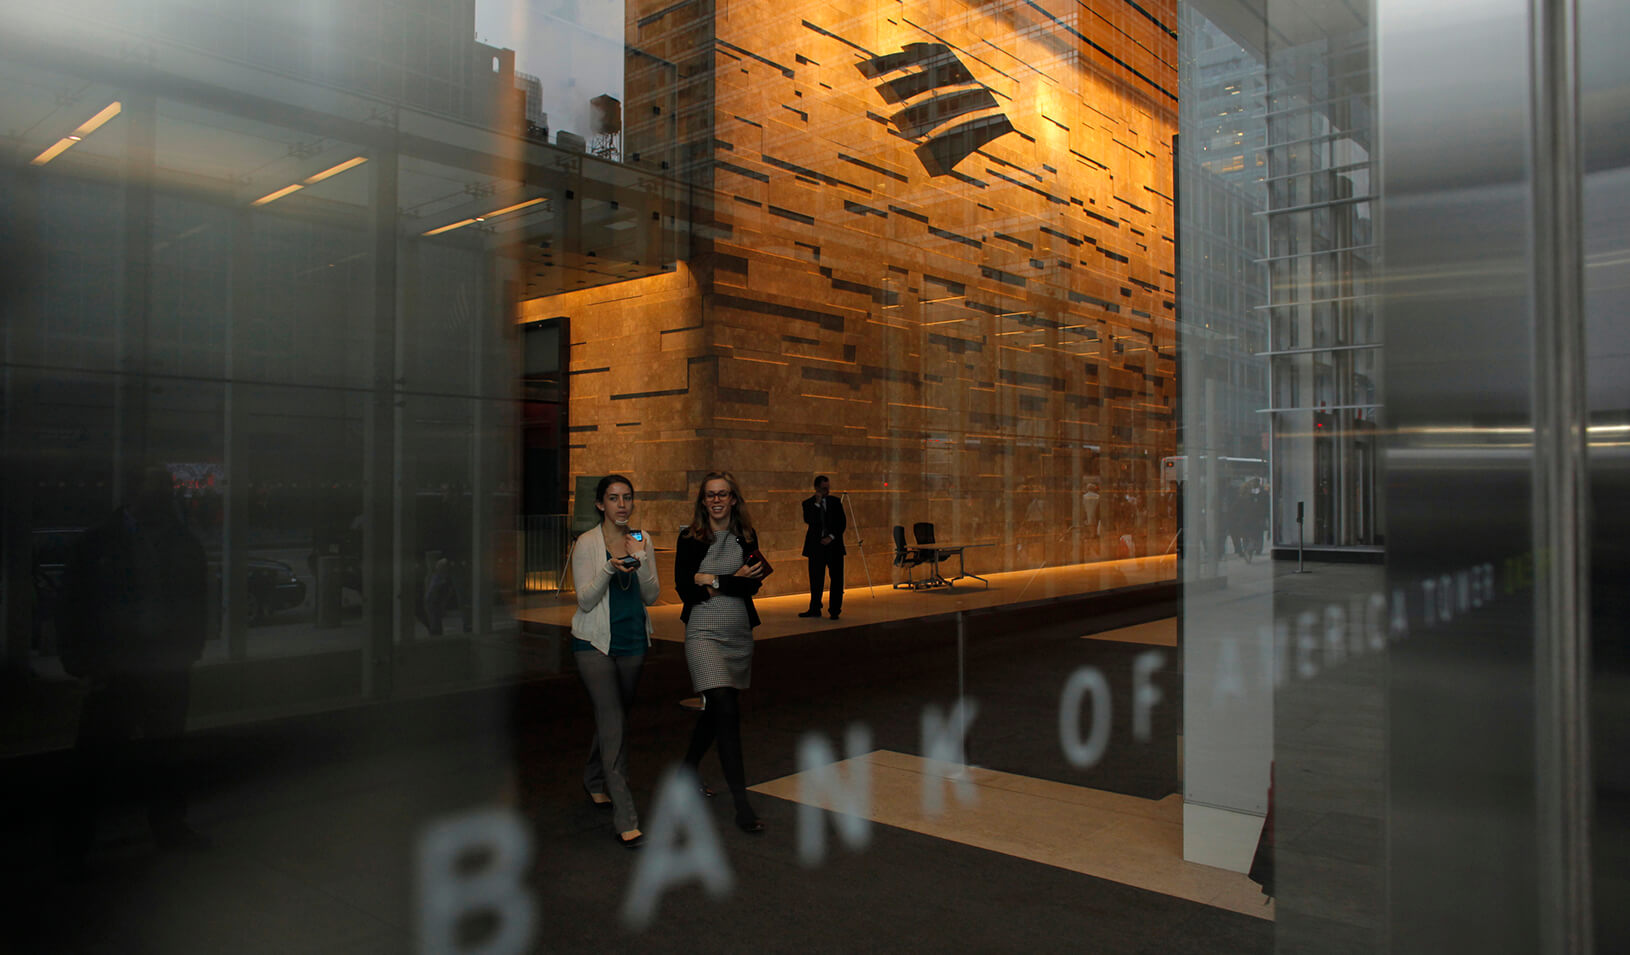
80, 132
514, 208
487, 215
274, 196
54, 151
448, 228
310, 180
96, 122
351, 163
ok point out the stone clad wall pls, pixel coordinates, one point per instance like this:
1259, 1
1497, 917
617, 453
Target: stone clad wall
965, 343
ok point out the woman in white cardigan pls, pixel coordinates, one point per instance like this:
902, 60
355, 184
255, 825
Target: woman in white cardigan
616, 580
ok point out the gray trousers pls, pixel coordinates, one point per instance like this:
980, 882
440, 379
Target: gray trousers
610, 682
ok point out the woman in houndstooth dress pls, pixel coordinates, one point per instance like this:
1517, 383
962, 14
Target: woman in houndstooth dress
717, 588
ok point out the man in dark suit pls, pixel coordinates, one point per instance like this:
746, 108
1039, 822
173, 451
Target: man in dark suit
133, 622
823, 545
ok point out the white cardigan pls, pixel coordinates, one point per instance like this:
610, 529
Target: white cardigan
592, 621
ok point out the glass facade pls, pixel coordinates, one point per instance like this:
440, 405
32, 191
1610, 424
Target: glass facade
1131, 622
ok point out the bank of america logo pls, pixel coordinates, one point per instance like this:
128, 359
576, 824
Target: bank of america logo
945, 110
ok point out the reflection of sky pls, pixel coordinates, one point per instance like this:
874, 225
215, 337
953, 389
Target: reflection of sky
574, 48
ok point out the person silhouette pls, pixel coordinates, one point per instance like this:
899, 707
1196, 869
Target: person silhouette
133, 621
823, 546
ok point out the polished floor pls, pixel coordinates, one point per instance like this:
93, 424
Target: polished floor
316, 820
1126, 839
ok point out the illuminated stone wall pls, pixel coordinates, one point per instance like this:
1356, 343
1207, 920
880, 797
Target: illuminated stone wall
931, 256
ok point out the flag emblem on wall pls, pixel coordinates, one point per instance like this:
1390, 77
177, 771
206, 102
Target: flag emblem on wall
944, 109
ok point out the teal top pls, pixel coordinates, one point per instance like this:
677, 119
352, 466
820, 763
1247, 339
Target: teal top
628, 637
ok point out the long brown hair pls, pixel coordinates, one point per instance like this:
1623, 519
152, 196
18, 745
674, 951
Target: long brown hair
701, 528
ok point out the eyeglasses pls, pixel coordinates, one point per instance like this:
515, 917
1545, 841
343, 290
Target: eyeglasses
717, 495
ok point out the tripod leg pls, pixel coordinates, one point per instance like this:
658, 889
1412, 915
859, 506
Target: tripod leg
860, 542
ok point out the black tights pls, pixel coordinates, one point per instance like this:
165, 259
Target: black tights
721, 720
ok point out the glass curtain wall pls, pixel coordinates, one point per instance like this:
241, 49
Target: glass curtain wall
1323, 334
1435, 711
323, 322
1605, 157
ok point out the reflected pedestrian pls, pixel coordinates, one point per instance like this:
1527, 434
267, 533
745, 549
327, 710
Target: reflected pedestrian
449, 582
132, 623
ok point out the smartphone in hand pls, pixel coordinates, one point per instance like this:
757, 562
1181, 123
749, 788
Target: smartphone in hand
631, 562
756, 556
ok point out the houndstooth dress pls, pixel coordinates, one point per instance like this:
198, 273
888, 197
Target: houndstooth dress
718, 636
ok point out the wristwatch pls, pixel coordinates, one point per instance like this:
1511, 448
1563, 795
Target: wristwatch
715, 584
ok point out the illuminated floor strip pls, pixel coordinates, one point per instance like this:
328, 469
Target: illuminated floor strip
880, 604
1156, 633
1136, 842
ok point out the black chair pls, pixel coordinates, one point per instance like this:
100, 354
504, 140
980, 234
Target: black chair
907, 558
924, 532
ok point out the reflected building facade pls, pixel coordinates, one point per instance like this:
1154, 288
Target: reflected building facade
282, 260
1323, 330
386, 287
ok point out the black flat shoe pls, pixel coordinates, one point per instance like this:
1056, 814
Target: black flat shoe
595, 802
633, 843
749, 823
705, 790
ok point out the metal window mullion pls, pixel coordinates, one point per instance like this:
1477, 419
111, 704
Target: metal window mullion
1314, 349
1309, 254
1322, 204
1561, 494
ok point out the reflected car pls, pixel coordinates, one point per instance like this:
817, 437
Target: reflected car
272, 587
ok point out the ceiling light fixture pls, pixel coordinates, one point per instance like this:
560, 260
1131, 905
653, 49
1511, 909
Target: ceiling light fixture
84, 129
334, 170
487, 215
274, 196
311, 180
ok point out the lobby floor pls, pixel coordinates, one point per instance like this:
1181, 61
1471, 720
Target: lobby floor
317, 821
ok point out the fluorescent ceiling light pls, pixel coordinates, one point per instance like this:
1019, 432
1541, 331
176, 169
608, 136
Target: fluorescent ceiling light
351, 163
84, 129
448, 228
57, 149
490, 215
311, 180
517, 206
274, 196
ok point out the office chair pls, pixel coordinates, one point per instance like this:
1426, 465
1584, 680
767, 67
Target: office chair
906, 558
924, 532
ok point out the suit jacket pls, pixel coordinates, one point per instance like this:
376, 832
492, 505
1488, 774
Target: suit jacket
688, 556
133, 599
836, 523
